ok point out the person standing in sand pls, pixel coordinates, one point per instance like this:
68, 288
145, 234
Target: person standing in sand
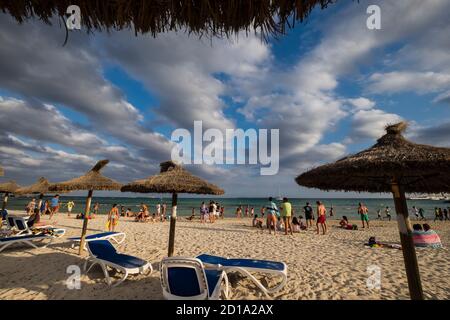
309, 215
96, 208
54, 206
387, 212
70, 206
44, 207
158, 212
272, 210
113, 218
239, 212
364, 214
202, 212
286, 214
331, 211
321, 217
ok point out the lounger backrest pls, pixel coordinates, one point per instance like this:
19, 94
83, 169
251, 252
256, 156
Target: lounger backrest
10, 221
183, 278
101, 248
20, 223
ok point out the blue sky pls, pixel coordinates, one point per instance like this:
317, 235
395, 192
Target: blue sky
330, 85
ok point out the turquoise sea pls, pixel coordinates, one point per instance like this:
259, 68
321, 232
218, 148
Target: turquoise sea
341, 206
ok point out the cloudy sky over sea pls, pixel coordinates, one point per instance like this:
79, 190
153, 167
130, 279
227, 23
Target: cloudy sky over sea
330, 85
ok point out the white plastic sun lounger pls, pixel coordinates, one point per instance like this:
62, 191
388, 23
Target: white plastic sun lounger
103, 253
117, 237
29, 239
21, 225
247, 267
187, 279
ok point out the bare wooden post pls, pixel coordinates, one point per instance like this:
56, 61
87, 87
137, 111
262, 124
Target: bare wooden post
173, 220
409, 252
5, 201
85, 221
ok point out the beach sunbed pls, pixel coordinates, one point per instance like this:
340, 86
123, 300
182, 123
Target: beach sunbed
103, 253
22, 226
187, 279
29, 239
117, 237
247, 267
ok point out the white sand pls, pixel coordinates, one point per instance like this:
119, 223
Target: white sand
333, 266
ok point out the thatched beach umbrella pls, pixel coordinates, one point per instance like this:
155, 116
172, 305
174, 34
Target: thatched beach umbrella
395, 165
172, 179
41, 187
92, 180
203, 17
7, 188
2, 173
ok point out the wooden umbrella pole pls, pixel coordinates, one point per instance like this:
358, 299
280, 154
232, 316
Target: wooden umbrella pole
85, 221
5, 201
173, 220
409, 252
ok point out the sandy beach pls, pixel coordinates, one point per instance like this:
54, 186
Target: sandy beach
333, 266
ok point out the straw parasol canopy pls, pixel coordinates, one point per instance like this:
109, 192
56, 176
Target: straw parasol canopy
202, 17
2, 173
7, 188
40, 187
419, 168
173, 179
92, 180
395, 165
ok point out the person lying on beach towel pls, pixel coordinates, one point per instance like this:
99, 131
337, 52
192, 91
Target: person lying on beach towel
373, 243
425, 237
347, 226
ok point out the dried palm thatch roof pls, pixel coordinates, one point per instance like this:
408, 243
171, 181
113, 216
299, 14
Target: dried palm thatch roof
2, 173
210, 17
419, 168
40, 187
92, 180
172, 179
8, 187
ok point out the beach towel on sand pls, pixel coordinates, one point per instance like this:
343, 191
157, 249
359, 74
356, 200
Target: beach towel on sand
426, 239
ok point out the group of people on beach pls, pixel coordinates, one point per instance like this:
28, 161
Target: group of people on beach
441, 214
47, 207
283, 218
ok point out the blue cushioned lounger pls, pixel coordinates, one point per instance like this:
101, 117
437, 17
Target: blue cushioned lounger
103, 253
187, 279
245, 266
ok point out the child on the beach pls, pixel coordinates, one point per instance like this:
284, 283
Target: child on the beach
113, 218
